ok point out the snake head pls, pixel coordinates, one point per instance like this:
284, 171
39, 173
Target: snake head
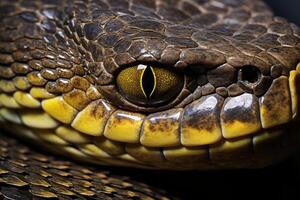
194, 85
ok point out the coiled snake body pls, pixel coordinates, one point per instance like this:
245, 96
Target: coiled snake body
168, 84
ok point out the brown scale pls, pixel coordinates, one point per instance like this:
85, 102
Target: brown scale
35, 175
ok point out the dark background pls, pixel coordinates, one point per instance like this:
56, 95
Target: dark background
278, 182
289, 9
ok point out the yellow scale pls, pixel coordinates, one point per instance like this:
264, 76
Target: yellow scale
119, 137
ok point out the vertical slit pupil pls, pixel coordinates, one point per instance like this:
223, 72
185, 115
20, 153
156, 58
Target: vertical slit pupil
148, 81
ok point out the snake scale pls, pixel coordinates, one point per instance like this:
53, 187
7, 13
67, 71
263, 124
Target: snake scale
154, 84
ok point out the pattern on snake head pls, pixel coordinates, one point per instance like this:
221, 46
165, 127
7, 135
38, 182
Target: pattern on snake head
176, 84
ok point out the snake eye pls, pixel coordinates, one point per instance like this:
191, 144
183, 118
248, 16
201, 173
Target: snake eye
148, 86
249, 75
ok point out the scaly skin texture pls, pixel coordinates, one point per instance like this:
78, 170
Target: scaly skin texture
238, 106
26, 174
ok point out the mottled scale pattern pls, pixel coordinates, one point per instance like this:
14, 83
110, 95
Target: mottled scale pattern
27, 174
59, 61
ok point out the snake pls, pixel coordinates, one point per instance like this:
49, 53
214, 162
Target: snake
151, 84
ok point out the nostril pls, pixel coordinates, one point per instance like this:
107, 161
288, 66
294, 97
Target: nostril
249, 74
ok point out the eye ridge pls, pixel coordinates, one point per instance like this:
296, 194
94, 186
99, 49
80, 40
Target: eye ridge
148, 82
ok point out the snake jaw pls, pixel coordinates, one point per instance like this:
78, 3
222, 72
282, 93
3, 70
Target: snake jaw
58, 69
210, 132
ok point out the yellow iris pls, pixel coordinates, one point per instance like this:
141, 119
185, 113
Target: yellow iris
145, 84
